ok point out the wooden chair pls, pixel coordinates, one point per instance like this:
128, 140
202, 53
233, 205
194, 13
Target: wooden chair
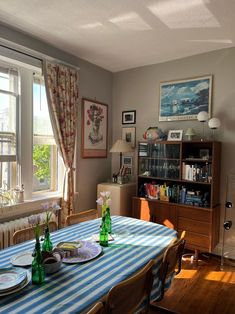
129, 294
28, 233
171, 266
82, 216
98, 308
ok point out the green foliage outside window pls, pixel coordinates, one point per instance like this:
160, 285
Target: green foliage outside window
41, 160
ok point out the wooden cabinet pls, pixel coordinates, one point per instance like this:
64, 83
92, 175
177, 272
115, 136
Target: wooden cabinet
178, 186
121, 195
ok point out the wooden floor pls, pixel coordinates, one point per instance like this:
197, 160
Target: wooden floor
202, 289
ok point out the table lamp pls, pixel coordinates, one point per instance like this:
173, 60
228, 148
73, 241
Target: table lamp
190, 133
203, 117
121, 146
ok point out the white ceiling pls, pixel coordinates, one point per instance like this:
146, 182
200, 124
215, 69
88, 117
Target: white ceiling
123, 34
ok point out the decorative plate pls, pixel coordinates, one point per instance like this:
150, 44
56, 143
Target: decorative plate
19, 287
87, 252
11, 278
23, 259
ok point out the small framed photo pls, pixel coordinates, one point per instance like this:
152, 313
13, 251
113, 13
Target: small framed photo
175, 135
128, 171
127, 161
129, 117
128, 135
204, 154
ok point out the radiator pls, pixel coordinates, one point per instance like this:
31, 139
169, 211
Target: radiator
7, 229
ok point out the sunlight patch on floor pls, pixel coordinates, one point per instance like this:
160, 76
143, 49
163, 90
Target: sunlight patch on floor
227, 277
186, 274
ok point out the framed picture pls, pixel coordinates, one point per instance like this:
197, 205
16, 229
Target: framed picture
127, 161
175, 135
184, 99
128, 117
94, 129
204, 154
128, 171
128, 135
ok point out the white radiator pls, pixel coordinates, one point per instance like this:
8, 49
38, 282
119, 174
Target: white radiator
7, 229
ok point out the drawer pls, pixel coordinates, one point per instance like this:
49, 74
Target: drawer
197, 213
199, 241
200, 227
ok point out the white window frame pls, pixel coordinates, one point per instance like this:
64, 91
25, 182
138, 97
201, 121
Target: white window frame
24, 133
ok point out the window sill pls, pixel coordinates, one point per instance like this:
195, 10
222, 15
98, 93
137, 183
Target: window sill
28, 207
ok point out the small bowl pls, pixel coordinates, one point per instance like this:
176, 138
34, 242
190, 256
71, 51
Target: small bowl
52, 265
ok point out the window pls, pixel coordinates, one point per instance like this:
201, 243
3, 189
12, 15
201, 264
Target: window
44, 148
28, 153
9, 99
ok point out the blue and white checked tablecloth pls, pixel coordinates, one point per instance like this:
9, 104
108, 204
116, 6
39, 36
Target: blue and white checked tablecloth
75, 287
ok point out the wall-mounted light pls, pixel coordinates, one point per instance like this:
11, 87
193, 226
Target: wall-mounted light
214, 123
203, 117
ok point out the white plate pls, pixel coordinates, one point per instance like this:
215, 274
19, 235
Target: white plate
87, 252
23, 259
24, 284
11, 278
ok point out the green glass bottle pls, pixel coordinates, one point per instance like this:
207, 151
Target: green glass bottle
108, 220
47, 244
104, 236
38, 272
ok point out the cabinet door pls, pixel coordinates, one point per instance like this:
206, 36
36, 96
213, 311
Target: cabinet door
163, 213
159, 212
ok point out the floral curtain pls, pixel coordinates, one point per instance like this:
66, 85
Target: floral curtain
62, 95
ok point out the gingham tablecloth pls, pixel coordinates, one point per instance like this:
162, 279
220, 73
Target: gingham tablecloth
75, 287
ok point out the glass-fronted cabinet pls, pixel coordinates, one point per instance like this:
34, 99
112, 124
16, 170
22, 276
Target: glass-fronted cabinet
159, 160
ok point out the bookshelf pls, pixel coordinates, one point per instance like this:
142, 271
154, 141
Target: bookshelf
178, 185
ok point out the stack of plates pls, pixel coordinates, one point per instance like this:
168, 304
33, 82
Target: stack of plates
13, 279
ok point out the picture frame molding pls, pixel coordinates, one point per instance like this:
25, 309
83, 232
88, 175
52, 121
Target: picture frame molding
127, 164
171, 135
125, 114
195, 109
99, 151
132, 131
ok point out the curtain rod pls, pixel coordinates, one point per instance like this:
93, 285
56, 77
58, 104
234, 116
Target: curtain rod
44, 57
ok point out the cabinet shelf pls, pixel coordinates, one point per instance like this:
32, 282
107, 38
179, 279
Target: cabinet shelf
158, 158
197, 160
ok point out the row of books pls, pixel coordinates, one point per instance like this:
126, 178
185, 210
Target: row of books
176, 194
196, 172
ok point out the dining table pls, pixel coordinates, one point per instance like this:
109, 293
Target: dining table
77, 286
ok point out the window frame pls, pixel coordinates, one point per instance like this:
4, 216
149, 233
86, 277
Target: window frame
24, 134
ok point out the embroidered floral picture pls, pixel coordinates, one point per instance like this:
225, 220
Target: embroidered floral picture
95, 117
94, 129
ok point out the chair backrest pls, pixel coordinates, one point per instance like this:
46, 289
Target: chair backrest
81, 216
171, 260
98, 308
129, 294
28, 233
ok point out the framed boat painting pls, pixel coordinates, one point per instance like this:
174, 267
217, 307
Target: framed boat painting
184, 99
94, 129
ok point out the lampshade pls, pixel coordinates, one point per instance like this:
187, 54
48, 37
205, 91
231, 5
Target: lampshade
202, 116
214, 123
190, 132
121, 146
